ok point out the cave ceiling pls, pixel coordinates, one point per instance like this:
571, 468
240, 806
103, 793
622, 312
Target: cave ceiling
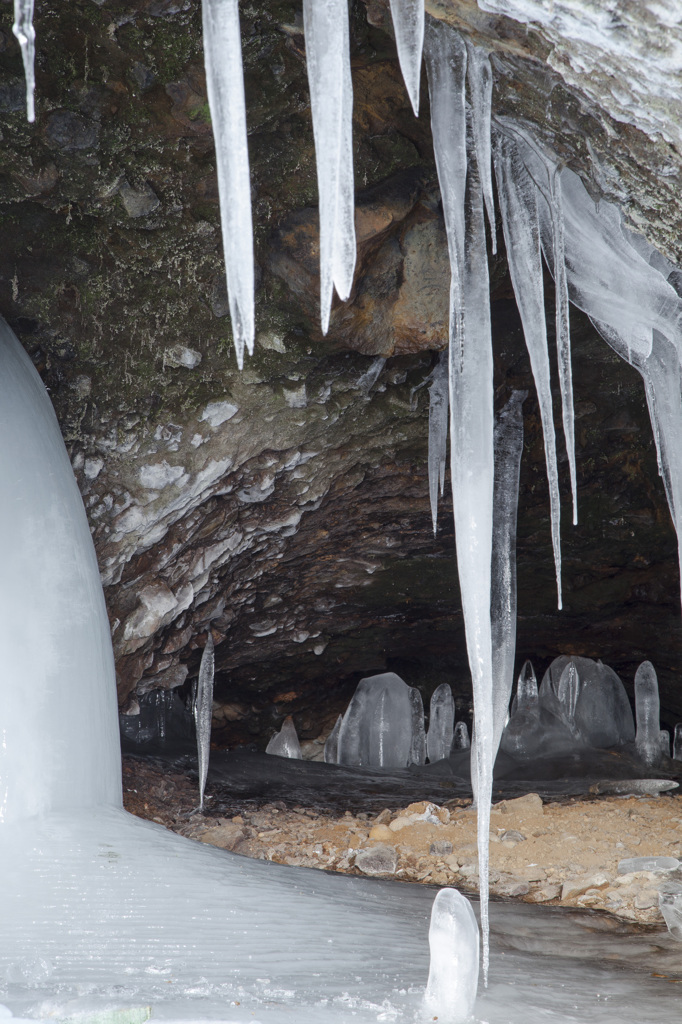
286, 507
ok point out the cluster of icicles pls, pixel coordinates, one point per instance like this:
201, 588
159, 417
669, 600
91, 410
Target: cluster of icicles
614, 276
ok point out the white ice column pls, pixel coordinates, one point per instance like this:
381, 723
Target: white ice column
453, 970
59, 743
225, 87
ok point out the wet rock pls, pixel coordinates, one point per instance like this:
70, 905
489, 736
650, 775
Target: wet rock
377, 860
71, 132
138, 202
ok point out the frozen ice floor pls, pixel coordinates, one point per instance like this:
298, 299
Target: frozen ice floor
107, 910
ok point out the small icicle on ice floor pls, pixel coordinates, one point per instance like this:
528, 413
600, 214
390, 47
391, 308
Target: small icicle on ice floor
203, 711
225, 87
331, 99
25, 35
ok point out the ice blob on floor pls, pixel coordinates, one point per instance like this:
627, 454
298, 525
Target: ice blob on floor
453, 972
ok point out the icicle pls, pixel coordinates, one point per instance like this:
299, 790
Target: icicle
480, 78
25, 34
331, 97
438, 433
518, 205
408, 25
508, 449
471, 402
225, 87
203, 710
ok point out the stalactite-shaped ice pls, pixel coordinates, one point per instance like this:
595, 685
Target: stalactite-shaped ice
647, 713
441, 723
677, 742
438, 432
285, 742
331, 98
518, 204
453, 969
225, 87
331, 746
471, 399
408, 25
480, 78
508, 449
460, 739
203, 710
418, 748
25, 35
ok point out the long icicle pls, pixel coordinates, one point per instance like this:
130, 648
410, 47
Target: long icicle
563, 332
518, 205
480, 78
25, 34
438, 432
471, 401
508, 449
408, 25
225, 87
203, 711
331, 96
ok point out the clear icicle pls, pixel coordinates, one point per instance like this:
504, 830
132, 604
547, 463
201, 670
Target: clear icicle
203, 710
331, 98
408, 25
25, 34
438, 433
225, 87
518, 205
418, 748
471, 401
480, 78
508, 449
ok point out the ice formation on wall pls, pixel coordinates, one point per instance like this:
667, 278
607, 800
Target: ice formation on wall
408, 25
203, 711
25, 35
453, 970
331, 100
285, 742
225, 87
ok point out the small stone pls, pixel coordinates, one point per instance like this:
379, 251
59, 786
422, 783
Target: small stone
224, 836
526, 806
138, 202
384, 817
181, 355
531, 872
646, 899
440, 848
378, 860
547, 892
70, 131
382, 833
513, 888
577, 886
469, 870
512, 836
400, 823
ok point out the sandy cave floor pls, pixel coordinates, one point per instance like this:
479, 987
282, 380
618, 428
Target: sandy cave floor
555, 853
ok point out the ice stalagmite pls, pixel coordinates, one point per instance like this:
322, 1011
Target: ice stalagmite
518, 204
438, 432
677, 742
471, 399
408, 25
25, 34
331, 746
225, 87
418, 749
453, 969
285, 742
526, 698
203, 710
508, 449
460, 739
648, 709
441, 723
331, 97
480, 78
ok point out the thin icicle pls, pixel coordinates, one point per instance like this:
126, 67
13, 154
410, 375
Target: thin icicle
480, 78
225, 87
471, 401
438, 432
508, 449
408, 25
518, 205
25, 34
331, 97
203, 710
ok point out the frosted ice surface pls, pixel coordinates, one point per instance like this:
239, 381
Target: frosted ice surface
647, 712
664, 742
441, 723
460, 739
285, 742
225, 87
677, 742
203, 711
438, 432
453, 970
377, 726
418, 748
517, 196
331, 99
331, 746
54, 752
480, 79
25, 34
408, 25
508, 449
625, 867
